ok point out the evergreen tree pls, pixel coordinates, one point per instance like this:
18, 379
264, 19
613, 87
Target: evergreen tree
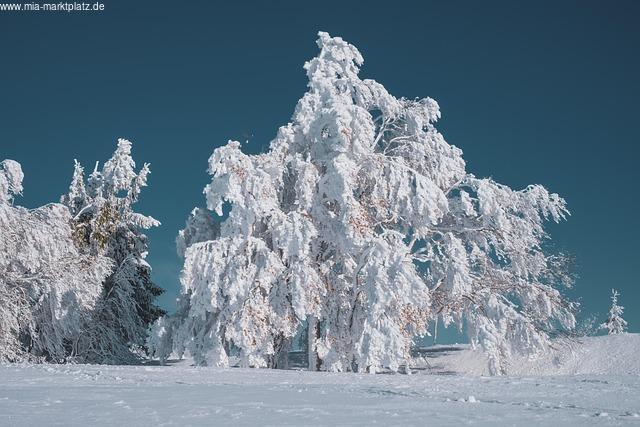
615, 324
106, 224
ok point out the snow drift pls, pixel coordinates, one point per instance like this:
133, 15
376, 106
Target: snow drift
605, 355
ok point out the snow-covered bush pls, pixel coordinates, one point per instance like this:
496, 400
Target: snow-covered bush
105, 224
48, 287
615, 324
362, 224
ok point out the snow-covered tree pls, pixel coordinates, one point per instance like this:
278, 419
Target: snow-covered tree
48, 287
11, 177
106, 224
615, 324
200, 227
361, 224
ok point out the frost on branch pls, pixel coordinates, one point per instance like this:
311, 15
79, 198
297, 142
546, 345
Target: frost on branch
361, 225
615, 324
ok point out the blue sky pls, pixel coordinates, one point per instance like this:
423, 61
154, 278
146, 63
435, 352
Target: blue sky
533, 92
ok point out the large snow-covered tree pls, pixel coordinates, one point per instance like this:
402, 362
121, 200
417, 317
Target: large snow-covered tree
615, 324
105, 223
361, 225
48, 287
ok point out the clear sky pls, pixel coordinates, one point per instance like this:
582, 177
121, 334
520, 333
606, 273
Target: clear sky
533, 92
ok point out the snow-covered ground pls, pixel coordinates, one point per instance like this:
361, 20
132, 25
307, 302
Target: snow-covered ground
605, 391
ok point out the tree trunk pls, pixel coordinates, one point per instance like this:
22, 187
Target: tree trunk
313, 333
281, 357
435, 331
